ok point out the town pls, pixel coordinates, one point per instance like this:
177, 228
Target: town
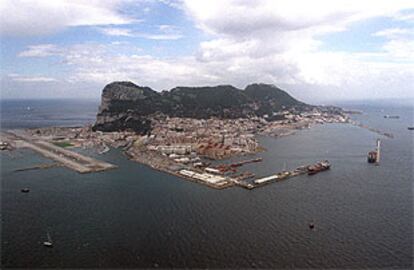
184, 147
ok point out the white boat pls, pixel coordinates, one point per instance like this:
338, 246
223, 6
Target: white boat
49, 242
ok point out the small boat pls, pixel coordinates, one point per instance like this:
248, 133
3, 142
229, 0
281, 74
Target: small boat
49, 242
410, 128
25, 190
311, 225
392, 116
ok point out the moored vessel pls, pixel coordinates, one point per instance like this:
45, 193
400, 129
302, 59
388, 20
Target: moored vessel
319, 167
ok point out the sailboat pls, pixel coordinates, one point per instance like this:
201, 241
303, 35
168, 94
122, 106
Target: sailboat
49, 242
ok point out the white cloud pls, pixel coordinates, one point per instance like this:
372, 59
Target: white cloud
393, 32
40, 17
111, 31
161, 36
258, 41
279, 42
321, 75
408, 17
402, 50
41, 50
165, 32
32, 79
247, 18
399, 45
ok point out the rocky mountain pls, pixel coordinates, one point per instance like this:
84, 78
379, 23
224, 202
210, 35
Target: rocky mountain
126, 106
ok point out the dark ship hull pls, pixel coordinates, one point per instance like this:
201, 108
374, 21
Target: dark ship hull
319, 167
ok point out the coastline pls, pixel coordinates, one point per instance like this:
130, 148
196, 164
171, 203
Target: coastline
180, 146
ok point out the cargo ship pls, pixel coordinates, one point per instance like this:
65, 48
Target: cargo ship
318, 167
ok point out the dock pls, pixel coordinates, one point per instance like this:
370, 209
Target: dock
70, 159
208, 179
281, 176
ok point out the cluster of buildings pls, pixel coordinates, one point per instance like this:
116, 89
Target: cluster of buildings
217, 181
183, 146
294, 120
210, 138
187, 140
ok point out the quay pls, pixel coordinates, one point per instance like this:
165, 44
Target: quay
69, 159
211, 180
284, 175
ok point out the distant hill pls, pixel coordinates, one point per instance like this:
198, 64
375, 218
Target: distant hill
126, 106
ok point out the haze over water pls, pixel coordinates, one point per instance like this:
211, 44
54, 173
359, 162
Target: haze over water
134, 216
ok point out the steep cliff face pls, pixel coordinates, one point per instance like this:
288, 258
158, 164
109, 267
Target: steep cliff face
126, 106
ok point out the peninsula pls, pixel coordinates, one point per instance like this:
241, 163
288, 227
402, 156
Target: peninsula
182, 131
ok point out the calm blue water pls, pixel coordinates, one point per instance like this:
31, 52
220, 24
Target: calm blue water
136, 217
43, 113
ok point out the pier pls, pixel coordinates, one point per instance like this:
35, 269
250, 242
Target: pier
284, 175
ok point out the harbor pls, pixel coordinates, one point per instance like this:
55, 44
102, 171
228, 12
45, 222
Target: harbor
176, 147
219, 181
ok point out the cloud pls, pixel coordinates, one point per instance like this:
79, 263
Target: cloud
116, 32
41, 17
32, 79
249, 18
309, 76
161, 36
393, 32
257, 41
400, 49
41, 50
407, 17
164, 32
399, 45
280, 42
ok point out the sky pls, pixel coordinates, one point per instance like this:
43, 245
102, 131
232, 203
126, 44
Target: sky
317, 50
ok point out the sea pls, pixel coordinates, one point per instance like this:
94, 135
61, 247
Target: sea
136, 217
